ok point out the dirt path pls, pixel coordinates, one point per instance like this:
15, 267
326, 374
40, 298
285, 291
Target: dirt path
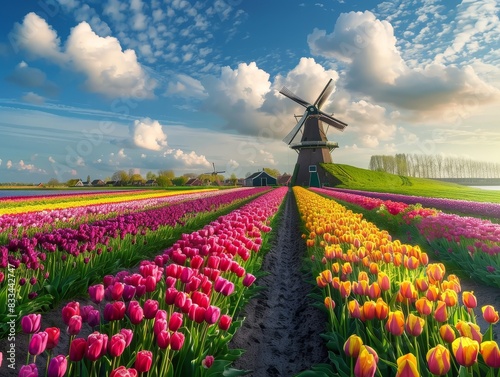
281, 330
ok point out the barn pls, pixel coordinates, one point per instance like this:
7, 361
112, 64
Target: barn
261, 178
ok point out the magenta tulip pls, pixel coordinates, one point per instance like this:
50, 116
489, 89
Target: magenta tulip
128, 335
31, 323
248, 280
175, 321
176, 341
116, 345
28, 371
135, 312
57, 366
38, 343
96, 293
212, 314
163, 339
224, 322
77, 349
150, 308
143, 361
96, 346
74, 325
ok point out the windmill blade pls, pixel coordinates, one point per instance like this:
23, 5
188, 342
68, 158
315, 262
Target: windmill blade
288, 138
338, 124
324, 94
288, 93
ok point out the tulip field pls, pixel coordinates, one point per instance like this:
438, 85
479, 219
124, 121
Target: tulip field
155, 283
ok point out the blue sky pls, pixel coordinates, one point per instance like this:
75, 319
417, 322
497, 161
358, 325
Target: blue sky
91, 87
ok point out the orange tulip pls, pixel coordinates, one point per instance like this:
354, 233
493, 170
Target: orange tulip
381, 309
450, 297
432, 293
352, 346
326, 275
373, 268
465, 351
407, 290
363, 275
424, 259
354, 309
346, 268
440, 313
329, 303
422, 284
397, 259
383, 281
395, 323
438, 360
369, 310
435, 272
470, 330
407, 366
374, 290
411, 263
335, 268
469, 299
424, 306
366, 363
491, 353
447, 333
322, 283
345, 288
490, 315
414, 325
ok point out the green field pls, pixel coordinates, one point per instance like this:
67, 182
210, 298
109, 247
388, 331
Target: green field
368, 180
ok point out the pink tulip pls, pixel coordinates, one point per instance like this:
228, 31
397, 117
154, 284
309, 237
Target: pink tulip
31, 323
212, 314
135, 312
57, 366
96, 293
122, 371
116, 345
38, 343
248, 280
114, 311
128, 335
96, 346
175, 321
28, 371
176, 341
207, 361
150, 308
163, 339
74, 325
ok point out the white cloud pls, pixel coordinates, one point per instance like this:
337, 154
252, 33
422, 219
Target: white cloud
51, 159
108, 69
148, 134
8, 164
188, 159
375, 68
186, 86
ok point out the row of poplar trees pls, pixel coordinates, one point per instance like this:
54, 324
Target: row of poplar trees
434, 166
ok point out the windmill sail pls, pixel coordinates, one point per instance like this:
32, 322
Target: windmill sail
288, 138
288, 93
338, 124
324, 94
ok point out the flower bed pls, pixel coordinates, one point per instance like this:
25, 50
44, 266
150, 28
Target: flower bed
390, 311
174, 316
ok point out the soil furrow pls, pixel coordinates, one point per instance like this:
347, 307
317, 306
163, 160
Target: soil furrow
281, 330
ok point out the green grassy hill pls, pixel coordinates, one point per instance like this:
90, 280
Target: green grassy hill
363, 179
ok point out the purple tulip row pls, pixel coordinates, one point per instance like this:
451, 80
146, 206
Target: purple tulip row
92, 237
43, 219
463, 206
144, 316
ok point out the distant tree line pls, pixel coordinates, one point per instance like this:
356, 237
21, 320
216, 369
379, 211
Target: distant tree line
434, 166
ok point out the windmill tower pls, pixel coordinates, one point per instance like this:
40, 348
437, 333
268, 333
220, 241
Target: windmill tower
215, 173
313, 148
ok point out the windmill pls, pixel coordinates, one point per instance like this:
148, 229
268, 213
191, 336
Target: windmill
313, 148
214, 173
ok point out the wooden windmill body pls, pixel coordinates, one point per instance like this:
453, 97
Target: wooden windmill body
314, 147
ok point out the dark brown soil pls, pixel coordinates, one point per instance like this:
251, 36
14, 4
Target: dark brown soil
281, 332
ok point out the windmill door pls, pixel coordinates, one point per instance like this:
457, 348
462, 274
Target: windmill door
263, 181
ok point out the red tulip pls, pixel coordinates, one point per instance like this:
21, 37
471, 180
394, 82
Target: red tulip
207, 361
96, 346
116, 345
31, 323
38, 343
438, 360
128, 335
224, 322
176, 341
96, 293
175, 321
440, 313
53, 337
57, 366
143, 361
74, 325
122, 371
381, 309
212, 314
71, 309
135, 312
77, 349
163, 339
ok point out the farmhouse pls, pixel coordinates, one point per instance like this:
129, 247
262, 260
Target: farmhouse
260, 178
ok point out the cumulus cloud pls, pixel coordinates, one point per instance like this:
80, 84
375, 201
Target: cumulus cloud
22, 166
148, 134
108, 69
188, 159
376, 68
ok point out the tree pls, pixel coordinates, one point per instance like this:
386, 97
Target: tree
179, 181
53, 182
122, 176
136, 177
272, 172
72, 182
163, 181
150, 175
233, 179
166, 173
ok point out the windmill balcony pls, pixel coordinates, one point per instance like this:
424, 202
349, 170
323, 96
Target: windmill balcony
315, 144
